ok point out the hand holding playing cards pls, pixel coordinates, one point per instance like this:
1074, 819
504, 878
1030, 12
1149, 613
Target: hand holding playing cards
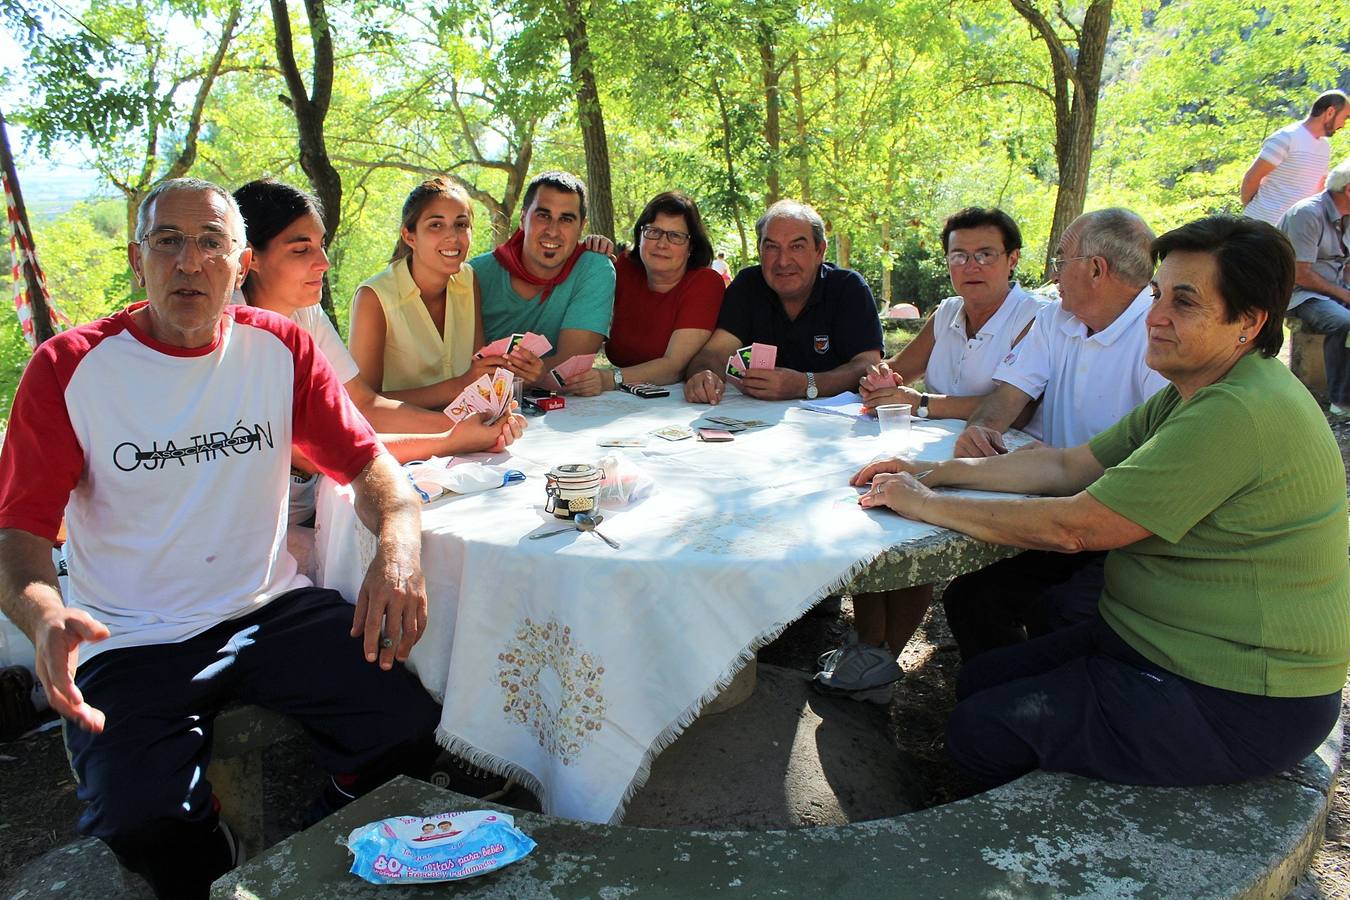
587, 384
878, 378
773, 384
882, 396
518, 353
477, 433
704, 387
484, 366
524, 364
570, 371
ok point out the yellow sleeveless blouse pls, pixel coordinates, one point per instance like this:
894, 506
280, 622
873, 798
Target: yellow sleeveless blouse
415, 355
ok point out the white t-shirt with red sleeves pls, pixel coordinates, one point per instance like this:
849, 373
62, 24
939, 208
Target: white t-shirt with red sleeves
171, 467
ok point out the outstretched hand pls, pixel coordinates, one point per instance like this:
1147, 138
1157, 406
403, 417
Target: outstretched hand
57, 643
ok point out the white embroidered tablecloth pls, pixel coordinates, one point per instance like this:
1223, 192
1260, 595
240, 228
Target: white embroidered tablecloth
570, 665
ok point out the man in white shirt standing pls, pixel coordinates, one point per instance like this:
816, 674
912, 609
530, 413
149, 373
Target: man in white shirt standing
1084, 359
1293, 161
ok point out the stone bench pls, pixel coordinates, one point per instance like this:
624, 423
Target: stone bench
1044, 835
1305, 357
242, 734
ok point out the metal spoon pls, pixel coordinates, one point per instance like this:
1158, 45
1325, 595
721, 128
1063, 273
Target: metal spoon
587, 522
572, 527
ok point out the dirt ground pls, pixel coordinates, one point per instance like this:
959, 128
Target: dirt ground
38, 807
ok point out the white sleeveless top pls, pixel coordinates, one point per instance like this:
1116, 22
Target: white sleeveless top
962, 366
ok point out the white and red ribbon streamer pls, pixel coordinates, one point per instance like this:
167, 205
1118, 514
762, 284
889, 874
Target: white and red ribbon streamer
21, 251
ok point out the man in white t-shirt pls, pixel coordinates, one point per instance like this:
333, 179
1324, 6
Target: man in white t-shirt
163, 435
1293, 161
1084, 360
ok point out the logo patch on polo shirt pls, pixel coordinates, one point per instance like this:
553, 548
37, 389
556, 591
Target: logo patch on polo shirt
822, 343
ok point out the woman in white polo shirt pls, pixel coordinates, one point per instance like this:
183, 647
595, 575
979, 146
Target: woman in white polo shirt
955, 354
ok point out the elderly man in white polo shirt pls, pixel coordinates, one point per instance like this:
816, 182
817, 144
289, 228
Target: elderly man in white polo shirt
1084, 359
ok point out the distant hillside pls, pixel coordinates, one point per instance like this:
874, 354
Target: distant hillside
48, 193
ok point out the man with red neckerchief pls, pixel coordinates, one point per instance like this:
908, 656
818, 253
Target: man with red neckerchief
542, 280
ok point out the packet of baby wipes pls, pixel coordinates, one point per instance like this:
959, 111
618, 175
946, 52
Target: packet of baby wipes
444, 847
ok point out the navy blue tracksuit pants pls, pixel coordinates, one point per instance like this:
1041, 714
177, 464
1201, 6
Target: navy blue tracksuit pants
143, 778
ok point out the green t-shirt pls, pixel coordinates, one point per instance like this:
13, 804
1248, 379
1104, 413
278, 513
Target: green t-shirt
1244, 583
584, 301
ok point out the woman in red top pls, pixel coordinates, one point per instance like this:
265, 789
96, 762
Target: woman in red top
666, 298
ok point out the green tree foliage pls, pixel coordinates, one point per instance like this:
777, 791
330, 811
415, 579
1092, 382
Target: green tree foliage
887, 115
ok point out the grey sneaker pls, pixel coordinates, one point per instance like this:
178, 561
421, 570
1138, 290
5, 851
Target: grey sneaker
860, 672
830, 658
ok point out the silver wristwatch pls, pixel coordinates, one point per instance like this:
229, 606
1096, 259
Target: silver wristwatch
922, 409
618, 376
812, 392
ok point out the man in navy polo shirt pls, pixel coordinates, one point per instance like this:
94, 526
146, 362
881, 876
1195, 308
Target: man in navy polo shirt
822, 319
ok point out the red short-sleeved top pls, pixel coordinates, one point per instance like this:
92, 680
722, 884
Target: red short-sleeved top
645, 319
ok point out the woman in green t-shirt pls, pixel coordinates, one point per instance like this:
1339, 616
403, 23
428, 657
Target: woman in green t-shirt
1224, 629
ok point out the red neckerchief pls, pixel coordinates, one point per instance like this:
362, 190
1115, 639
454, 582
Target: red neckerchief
510, 255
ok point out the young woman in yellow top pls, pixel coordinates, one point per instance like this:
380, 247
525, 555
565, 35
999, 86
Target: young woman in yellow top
416, 326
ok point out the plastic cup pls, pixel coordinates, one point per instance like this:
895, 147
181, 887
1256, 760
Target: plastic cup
895, 421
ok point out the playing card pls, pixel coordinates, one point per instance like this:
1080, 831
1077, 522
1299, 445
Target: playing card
496, 348
459, 408
876, 380
571, 368
621, 441
723, 420
674, 432
536, 343
743, 355
734, 368
514, 341
479, 395
763, 356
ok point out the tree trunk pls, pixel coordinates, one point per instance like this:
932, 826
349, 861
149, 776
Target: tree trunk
39, 314
803, 150
886, 290
310, 109
592, 120
1077, 76
843, 245
733, 187
773, 136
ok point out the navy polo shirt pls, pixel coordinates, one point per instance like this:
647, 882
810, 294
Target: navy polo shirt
838, 322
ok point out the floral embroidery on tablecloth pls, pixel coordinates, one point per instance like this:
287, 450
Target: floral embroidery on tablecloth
535, 651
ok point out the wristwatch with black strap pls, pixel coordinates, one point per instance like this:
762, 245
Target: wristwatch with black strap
922, 409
